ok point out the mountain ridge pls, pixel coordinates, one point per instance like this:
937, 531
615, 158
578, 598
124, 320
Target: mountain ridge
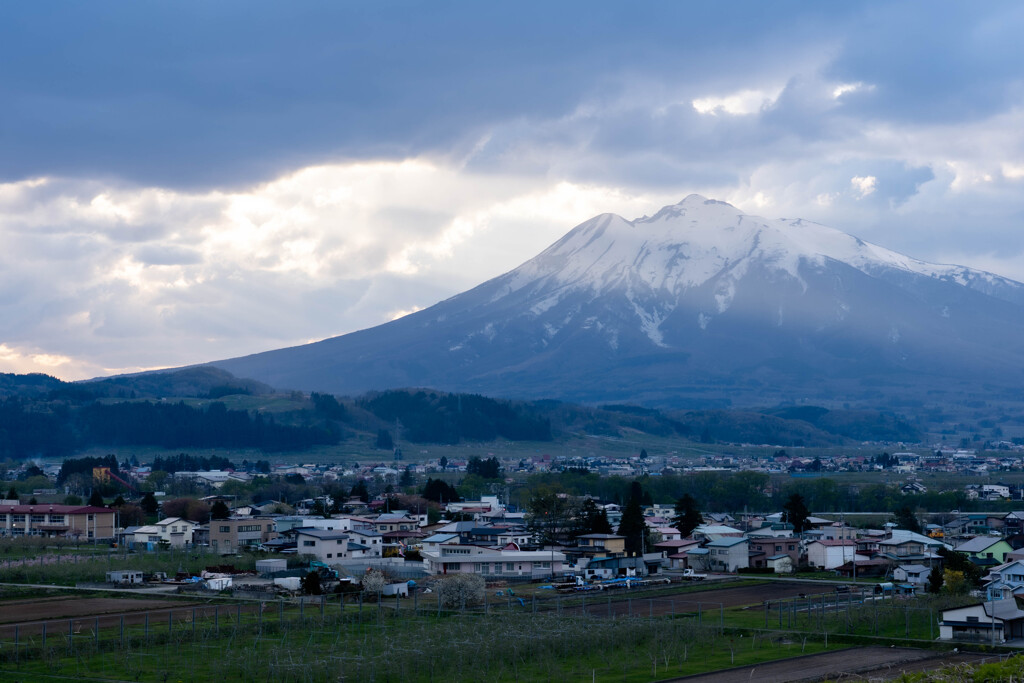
697, 300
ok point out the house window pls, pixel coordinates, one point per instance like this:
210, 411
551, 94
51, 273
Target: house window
17, 518
510, 566
329, 556
792, 547
56, 519
225, 530
778, 548
973, 620
308, 544
38, 519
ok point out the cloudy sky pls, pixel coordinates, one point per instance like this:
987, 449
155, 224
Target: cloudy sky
189, 181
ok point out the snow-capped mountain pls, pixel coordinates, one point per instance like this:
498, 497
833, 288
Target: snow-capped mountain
699, 304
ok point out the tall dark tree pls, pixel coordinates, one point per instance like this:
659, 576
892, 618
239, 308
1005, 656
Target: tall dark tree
593, 520
934, 580
360, 491
633, 526
96, 499
219, 510
796, 513
906, 519
12, 494
687, 517
149, 504
406, 478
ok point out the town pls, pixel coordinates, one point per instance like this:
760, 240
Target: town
380, 538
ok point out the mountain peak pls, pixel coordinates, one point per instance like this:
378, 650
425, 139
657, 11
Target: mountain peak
697, 296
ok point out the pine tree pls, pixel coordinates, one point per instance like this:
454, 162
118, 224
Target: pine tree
12, 494
219, 510
796, 513
96, 499
149, 504
633, 526
687, 516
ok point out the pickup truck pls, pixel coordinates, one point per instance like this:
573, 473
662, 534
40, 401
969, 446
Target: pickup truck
691, 575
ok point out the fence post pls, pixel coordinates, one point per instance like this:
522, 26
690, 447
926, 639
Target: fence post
122, 631
193, 623
71, 635
145, 632
96, 632
238, 615
15, 642
216, 619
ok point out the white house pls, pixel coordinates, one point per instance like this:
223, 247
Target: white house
916, 574
494, 563
371, 543
172, 530
729, 553
325, 545
830, 554
977, 622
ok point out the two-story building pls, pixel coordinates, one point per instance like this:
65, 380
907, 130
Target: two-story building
173, 531
326, 545
84, 522
728, 553
229, 535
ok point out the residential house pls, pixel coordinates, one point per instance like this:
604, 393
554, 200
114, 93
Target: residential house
915, 574
728, 554
831, 554
326, 545
986, 550
229, 535
994, 621
173, 531
762, 549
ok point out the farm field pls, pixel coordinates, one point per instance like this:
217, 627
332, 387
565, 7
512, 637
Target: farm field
853, 664
626, 635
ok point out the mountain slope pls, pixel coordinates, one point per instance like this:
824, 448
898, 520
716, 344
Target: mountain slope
699, 304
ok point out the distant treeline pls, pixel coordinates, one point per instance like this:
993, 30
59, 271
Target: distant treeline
57, 429
182, 462
451, 418
734, 492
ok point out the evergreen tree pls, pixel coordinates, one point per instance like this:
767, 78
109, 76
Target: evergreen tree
33, 501
219, 510
406, 478
594, 520
934, 580
796, 513
12, 494
384, 440
687, 516
360, 491
96, 499
633, 526
118, 502
906, 519
149, 504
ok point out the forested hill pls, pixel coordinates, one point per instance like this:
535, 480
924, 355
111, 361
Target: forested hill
43, 416
55, 429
